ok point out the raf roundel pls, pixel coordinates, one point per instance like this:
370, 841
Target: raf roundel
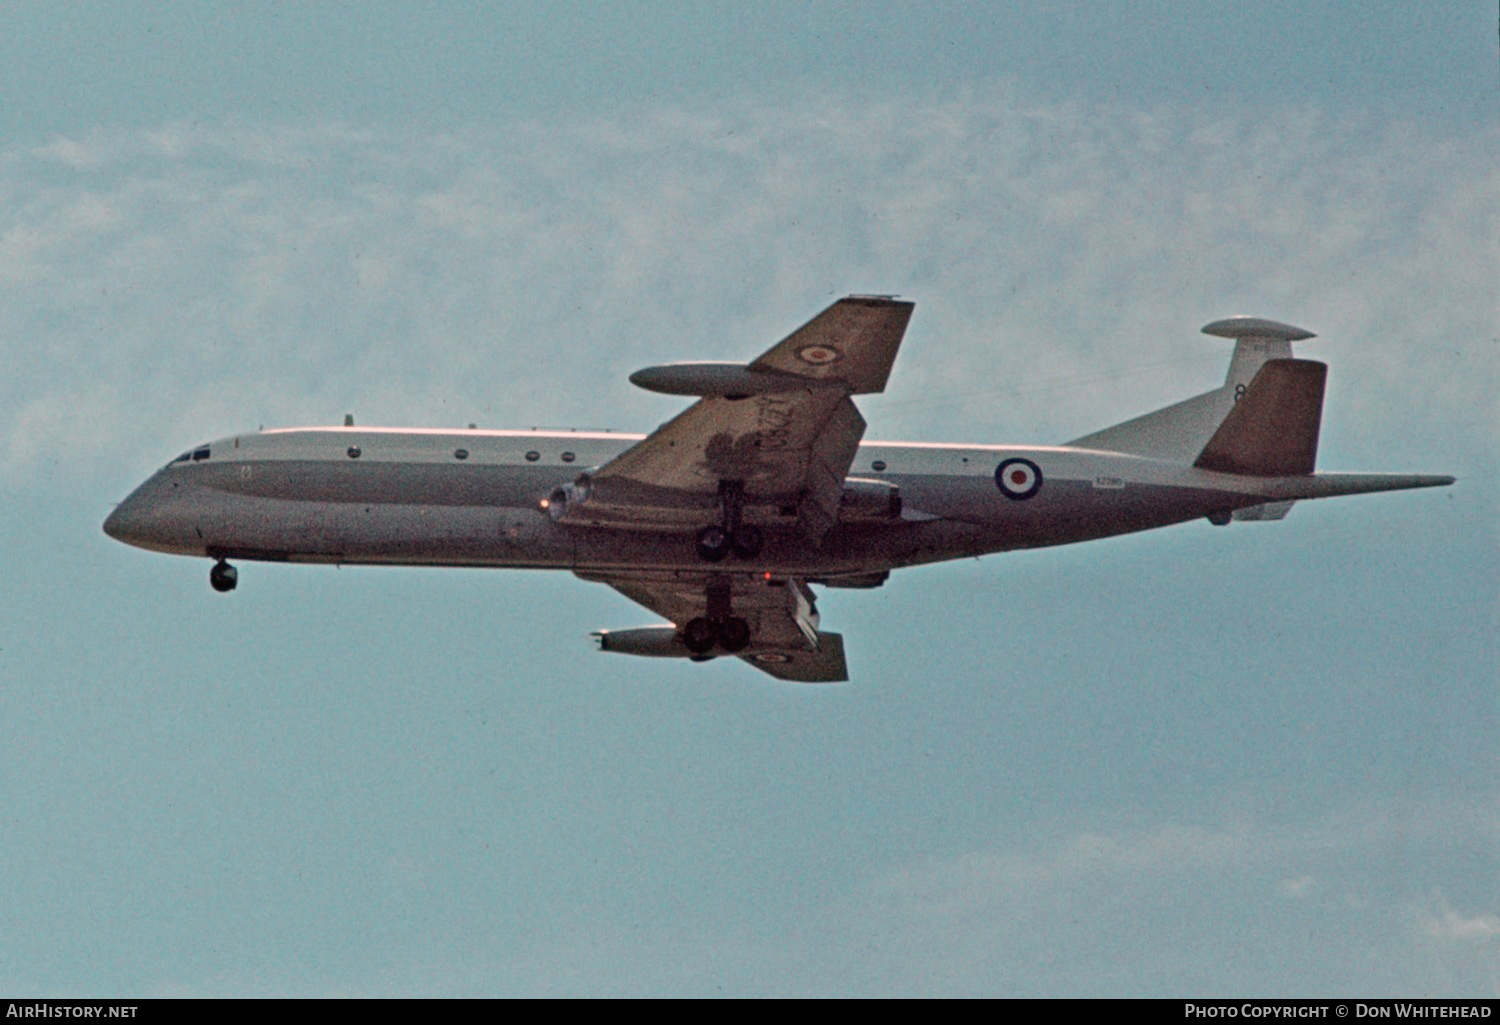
1019, 479
819, 355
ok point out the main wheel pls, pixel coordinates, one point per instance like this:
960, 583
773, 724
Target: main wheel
223, 577
699, 635
734, 634
713, 544
748, 541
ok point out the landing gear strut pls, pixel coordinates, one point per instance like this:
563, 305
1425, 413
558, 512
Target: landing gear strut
720, 626
744, 539
223, 577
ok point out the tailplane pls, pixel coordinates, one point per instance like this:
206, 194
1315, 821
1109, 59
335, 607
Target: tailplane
1183, 431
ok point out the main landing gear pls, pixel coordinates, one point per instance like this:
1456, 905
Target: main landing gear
744, 539
223, 577
730, 633
719, 627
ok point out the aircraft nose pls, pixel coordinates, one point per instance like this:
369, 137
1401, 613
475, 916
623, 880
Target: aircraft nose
148, 519
126, 523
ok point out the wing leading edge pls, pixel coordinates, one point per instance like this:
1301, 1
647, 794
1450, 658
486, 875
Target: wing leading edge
788, 444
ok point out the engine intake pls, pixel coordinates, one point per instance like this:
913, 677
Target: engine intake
566, 496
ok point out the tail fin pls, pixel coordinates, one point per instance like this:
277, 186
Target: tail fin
1182, 431
1273, 430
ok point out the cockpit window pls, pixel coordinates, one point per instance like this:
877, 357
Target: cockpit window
196, 455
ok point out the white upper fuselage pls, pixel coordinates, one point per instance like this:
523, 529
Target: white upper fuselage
479, 497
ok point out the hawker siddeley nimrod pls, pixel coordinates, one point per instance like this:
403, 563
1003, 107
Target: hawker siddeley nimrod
721, 519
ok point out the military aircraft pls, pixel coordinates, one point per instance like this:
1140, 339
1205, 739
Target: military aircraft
721, 519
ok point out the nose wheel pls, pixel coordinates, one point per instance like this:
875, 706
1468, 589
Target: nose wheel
223, 577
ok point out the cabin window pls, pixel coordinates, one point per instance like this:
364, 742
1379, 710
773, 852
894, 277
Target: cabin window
532, 457
460, 453
878, 465
353, 451
568, 457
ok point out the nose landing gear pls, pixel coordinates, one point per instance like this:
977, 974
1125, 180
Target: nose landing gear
223, 577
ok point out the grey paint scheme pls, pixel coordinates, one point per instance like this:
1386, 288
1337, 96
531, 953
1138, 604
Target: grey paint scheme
296, 495
354, 495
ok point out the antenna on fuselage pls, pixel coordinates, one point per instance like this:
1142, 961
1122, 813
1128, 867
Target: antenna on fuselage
348, 419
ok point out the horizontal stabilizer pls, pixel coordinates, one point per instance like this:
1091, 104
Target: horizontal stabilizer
1273, 430
1335, 485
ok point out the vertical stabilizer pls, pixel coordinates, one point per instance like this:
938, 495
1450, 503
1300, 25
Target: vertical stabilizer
1273, 430
1182, 430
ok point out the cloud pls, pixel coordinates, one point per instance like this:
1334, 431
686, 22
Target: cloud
1447, 924
69, 152
1199, 902
219, 276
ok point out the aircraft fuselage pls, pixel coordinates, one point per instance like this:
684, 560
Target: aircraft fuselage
481, 498
719, 519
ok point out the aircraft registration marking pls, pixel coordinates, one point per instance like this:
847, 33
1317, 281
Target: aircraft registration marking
773, 422
1112, 483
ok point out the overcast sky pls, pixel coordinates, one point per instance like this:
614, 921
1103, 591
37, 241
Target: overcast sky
1198, 761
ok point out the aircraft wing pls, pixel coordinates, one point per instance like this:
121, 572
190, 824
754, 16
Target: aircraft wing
790, 443
784, 637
